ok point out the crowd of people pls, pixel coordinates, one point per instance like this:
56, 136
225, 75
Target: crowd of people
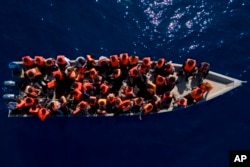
116, 84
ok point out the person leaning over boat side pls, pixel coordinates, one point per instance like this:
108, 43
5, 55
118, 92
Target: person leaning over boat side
189, 68
196, 94
206, 87
203, 71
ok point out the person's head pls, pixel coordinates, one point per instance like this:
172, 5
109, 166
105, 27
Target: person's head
190, 62
199, 91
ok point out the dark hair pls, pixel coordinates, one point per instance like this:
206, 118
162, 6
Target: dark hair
190, 62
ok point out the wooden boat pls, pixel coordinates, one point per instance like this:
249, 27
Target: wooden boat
222, 84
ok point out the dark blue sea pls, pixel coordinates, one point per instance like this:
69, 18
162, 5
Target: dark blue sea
201, 136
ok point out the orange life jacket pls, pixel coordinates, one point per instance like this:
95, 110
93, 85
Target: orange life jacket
29, 102
27, 61
39, 60
196, 93
147, 108
33, 72
182, 102
189, 65
77, 94
206, 86
133, 72
126, 105
87, 86
77, 85
160, 63
61, 60
146, 61
104, 88
160, 80
129, 91
133, 60
58, 74
34, 109
50, 62
51, 84
43, 113
102, 102
124, 59
92, 73
82, 105
114, 61
70, 73
20, 104
138, 101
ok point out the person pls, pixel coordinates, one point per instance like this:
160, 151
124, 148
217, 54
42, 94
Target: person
170, 82
203, 71
166, 99
147, 108
182, 102
138, 102
82, 106
27, 61
206, 87
102, 106
196, 94
189, 68
159, 66
62, 61
169, 68
43, 113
